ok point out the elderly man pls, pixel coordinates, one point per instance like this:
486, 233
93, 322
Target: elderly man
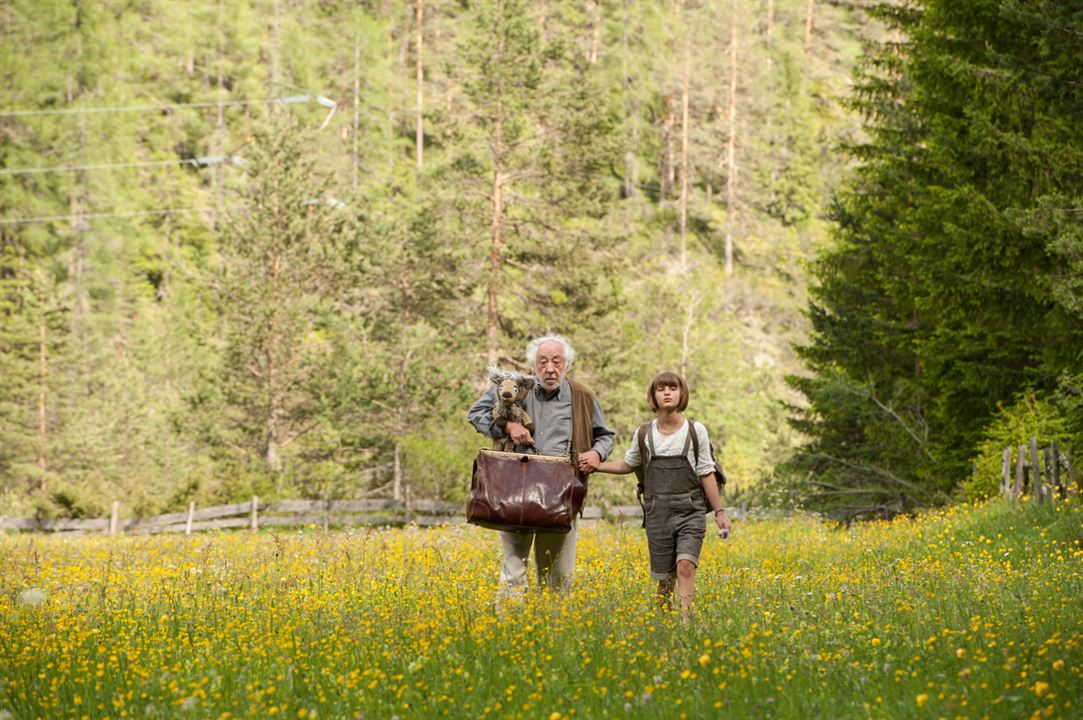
568, 422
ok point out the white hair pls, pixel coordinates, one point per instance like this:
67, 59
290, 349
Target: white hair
533, 345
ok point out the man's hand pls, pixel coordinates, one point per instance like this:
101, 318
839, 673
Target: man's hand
518, 433
589, 461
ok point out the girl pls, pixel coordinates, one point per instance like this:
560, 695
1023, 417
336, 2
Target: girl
678, 490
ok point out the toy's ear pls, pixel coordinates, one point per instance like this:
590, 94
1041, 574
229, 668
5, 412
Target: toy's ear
527, 382
495, 375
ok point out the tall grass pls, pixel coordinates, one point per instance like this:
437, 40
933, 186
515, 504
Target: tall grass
970, 613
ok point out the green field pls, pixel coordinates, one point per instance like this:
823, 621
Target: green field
969, 613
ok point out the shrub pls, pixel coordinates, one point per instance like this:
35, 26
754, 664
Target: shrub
1012, 426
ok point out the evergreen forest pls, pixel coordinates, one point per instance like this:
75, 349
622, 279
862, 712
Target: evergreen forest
269, 247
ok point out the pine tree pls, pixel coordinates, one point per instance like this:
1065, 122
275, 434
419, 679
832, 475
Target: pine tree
282, 257
922, 325
534, 138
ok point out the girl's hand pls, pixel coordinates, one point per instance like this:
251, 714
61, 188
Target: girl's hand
723, 524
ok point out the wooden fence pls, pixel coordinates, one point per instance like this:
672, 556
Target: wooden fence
256, 514
1041, 474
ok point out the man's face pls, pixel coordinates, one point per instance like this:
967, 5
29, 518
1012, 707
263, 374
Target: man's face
549, 365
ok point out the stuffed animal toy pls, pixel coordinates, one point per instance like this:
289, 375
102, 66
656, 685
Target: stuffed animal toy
511, 389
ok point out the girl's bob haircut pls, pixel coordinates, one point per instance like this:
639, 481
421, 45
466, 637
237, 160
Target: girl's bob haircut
667, 379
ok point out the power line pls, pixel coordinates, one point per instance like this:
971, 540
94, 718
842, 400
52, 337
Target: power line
97, 216
328, 201
320, 99
202, 161
292, 99
133, 108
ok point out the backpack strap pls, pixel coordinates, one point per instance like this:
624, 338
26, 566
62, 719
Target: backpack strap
694, 434
642, 439
718, 472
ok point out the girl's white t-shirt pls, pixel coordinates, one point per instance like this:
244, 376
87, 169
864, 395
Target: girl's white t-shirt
673, 444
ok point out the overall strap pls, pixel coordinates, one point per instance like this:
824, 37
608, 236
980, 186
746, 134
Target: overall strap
644, 429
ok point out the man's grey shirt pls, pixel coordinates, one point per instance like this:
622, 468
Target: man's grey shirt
552, 418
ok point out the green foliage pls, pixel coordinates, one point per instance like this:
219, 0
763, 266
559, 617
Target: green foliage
148, 277
284, 255
869, 454
1011, 427
438, 459
533, 140
941, 280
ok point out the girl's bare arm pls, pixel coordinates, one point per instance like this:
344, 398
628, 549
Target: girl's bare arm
615, 467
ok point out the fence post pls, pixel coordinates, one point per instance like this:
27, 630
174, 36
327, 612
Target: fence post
1006, 473
188, 520
1055, 452
1038, 485
254, 524
114, 518
1049, 486
1020, 461
1077, 480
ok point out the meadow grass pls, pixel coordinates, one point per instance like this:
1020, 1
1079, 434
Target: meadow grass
972, 612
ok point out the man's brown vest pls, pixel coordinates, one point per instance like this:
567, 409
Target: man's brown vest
582, 421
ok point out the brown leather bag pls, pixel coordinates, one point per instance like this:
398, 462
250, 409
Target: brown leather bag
520, 492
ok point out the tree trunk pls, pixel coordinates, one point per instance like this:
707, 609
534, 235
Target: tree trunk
396, 470
631, 168
272, 456
274, 413
497, 209
686, 333
356, 109
397, 484
769, 40
595, 31
43, 466
731, 142
494, 260
389, 126
420, 72
276, 69
218, 146
768, 33
78, 199
683, 215
666, 179
808, 24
